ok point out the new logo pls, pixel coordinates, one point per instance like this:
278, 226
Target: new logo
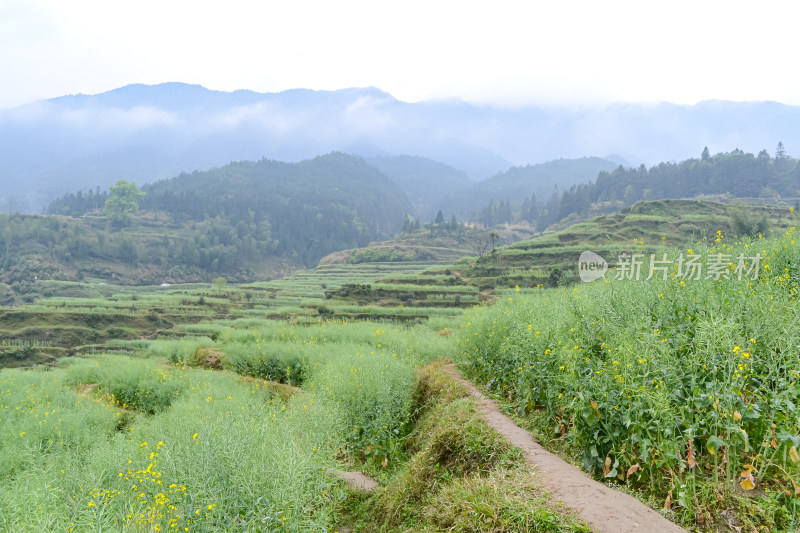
591, 266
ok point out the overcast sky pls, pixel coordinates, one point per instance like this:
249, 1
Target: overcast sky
501, 52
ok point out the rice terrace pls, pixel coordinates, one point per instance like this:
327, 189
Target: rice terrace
333, 399
383, 267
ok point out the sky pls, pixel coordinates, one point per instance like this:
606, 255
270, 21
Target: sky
503, 53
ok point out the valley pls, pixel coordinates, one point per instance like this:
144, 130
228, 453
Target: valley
357, 343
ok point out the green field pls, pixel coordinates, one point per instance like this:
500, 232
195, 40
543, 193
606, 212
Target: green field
230, 407
114, 442
157, 442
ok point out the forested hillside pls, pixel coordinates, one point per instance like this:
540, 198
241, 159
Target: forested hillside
153, 251
736, 174
536, 183
243, 221
301, 211
425, 181
725, 176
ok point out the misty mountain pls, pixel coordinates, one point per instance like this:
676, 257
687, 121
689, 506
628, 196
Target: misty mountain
540, 181
425, 181
145, 133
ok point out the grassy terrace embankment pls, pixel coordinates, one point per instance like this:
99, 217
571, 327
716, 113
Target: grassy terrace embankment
649, 227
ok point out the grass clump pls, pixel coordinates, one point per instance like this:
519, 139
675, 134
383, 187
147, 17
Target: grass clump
462, 475
209, 358
273, 361
506, 500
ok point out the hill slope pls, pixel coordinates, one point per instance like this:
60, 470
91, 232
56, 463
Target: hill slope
541, 181
736, 174
552, 259
322, 204
425, 181
245, 221
646, 227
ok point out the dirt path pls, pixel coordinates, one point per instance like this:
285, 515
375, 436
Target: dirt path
357, 480
602, 508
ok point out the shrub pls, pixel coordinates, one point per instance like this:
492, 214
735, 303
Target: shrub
274, 366
209, 358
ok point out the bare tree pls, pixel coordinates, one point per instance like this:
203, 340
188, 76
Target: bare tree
479, 241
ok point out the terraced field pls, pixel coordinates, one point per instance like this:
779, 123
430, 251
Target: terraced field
680, 393
647, 227
79, 317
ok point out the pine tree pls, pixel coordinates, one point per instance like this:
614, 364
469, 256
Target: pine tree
780, 151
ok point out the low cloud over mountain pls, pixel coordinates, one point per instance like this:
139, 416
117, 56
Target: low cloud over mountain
144, 133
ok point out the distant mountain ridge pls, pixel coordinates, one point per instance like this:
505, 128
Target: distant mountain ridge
145, 133
425, 181
183, 96
540, 181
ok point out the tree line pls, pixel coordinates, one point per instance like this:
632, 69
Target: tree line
737, 174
